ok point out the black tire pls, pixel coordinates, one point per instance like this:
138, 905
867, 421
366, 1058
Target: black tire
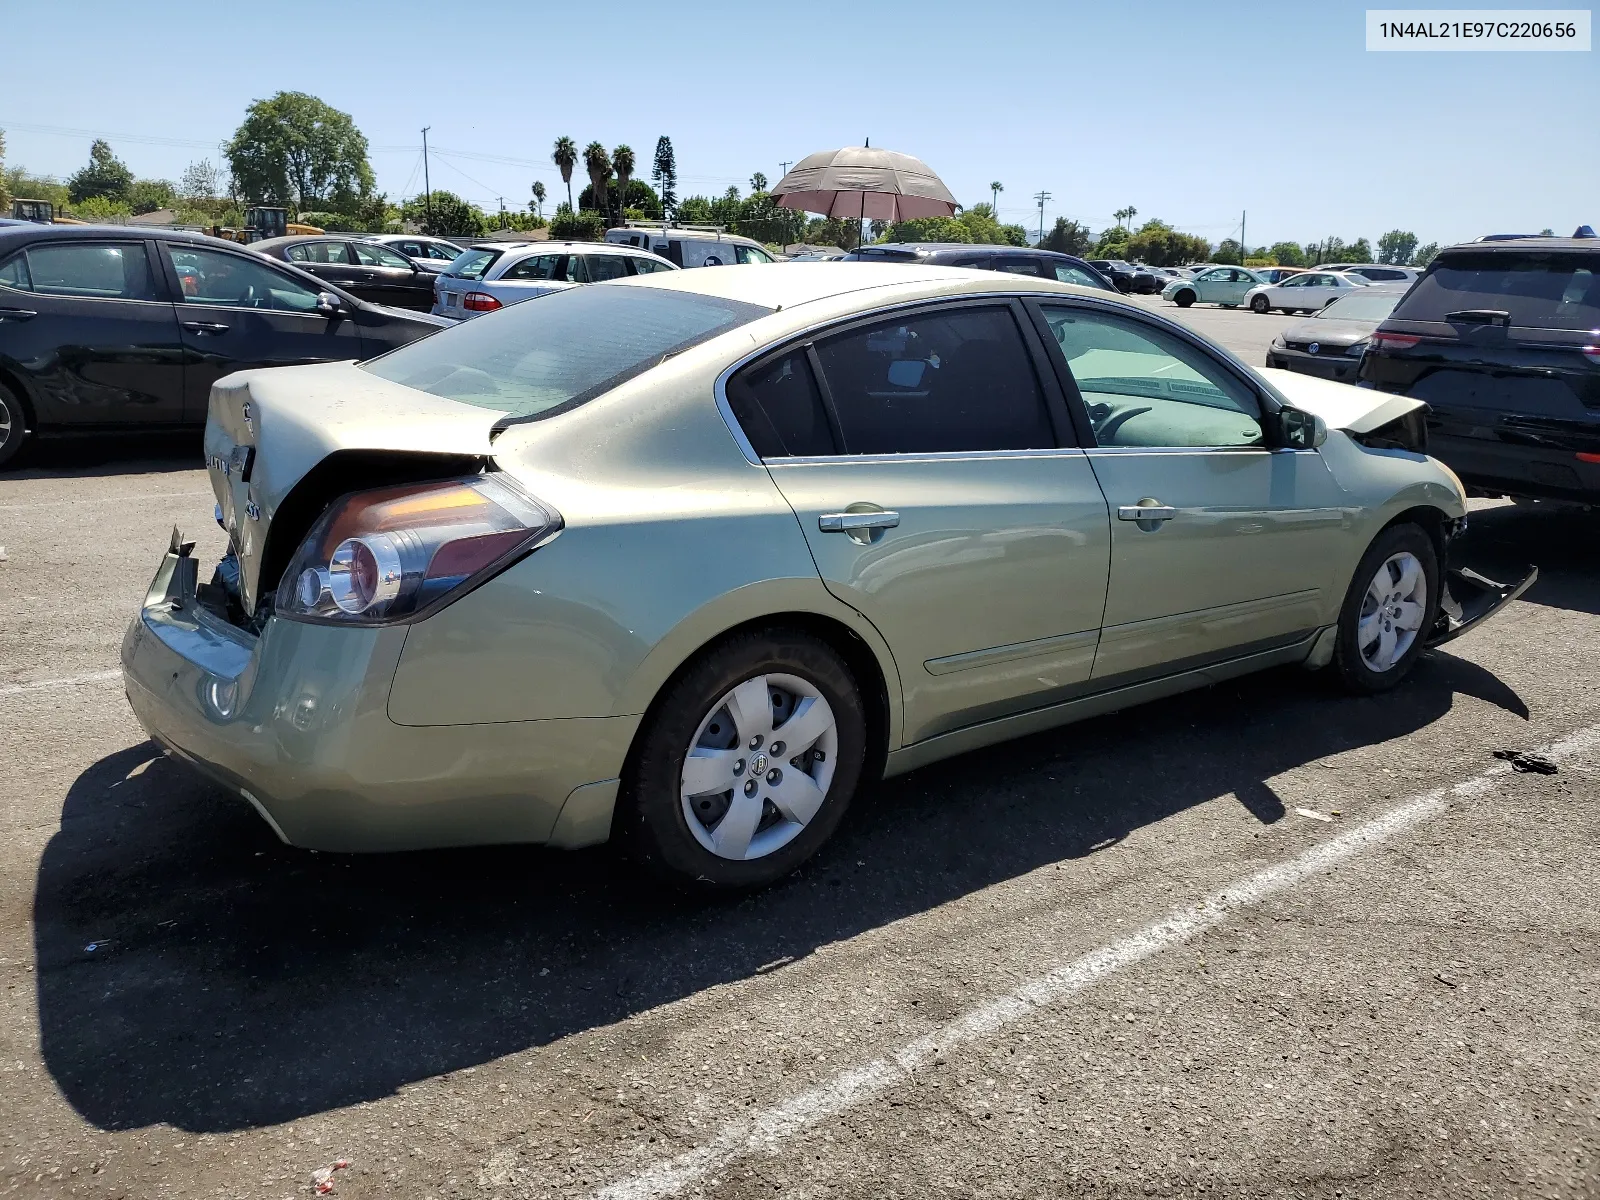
1260, 304
1184, 298
13, 426
1354, 672
652, 824
1288, 312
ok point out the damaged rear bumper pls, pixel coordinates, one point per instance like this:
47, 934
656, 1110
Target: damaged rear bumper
1470, 599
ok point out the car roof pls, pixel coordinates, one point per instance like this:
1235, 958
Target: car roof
574, 247
929, 249
31, 231
1522, 245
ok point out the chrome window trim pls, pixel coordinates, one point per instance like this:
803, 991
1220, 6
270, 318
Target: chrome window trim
811, 460
111, 241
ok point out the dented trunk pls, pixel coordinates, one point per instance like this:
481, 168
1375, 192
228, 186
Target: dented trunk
281, 443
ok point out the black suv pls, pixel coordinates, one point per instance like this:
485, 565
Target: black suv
1502, 339
1017, 260
120, 328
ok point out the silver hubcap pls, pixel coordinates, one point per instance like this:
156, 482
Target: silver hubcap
759, 766
1392, 611
5, 422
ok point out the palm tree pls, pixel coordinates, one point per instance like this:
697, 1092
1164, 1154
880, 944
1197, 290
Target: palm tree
565, 158
538, 198
622, 163
598, 163
995, 189
1132, 213
1121, 215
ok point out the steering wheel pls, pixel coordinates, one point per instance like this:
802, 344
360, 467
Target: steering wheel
1107, 427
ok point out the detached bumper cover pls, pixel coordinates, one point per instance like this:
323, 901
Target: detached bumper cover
296, 721
1470, 599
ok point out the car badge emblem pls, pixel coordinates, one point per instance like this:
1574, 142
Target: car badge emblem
248, 422
1314, 347
251, 510
758, 765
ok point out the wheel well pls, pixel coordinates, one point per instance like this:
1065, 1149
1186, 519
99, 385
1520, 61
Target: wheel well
1432, 521
848, 644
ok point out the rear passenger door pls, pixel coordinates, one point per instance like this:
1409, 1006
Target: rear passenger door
930, 461
330, 260
91, 329
391, 279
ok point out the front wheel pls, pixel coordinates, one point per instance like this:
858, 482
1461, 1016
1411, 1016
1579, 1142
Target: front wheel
1259, 304
1388, 610
1184, 298
747, 763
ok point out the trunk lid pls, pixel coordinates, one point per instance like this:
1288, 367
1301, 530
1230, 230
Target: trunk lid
268, 430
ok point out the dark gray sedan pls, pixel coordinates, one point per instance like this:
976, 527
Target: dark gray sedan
1330, 343
367, 270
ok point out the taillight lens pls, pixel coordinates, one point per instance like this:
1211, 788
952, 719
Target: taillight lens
399, 552
1592, 353
479, 302
1394, 341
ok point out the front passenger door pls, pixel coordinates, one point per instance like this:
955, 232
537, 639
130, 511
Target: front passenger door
933, 471
394, 280
1221, 545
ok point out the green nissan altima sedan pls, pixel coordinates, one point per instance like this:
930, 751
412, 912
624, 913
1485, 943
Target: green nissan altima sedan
684, 560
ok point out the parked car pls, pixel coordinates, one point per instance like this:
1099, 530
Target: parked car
692, 245
1275, 274
367, 270
1376, 272
430, 253
496, 274
1120, 274
119, 328
1226, 286
1016, 260
1148, 281
561, 592
1305, 292
1499, 339
1331, 341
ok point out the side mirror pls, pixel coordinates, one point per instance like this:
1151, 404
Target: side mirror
1301, 430
329, 305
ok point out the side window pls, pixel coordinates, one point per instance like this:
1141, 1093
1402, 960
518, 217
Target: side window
649, 266
92, 270
951, 380
14, 272
442, 253
779, 408
300, 253
606, 266
749, 254
539, 266
1145, 387
1066, 273
370, 254
1294, 281
573, 269
1016, 265
238, 281
323, 252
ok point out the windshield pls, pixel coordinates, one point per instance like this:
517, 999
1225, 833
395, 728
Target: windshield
1546, 291
1367, 306
549, 355
473, 264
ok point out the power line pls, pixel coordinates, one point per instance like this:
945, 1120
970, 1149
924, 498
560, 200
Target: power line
147, 139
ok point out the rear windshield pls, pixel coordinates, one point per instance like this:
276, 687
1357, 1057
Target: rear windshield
472, 264
1362, 306
1546, 291
549, 355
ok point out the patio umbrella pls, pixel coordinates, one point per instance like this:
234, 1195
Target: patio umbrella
861, 182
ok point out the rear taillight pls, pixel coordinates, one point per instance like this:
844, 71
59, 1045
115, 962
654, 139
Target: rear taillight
1588, 458
479, 302
1394, 341
1592, 353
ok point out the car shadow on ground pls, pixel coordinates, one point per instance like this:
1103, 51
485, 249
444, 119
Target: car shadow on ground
137, 453
193, 971
1562, 542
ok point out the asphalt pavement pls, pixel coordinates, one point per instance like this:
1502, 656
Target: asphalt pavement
1262, 940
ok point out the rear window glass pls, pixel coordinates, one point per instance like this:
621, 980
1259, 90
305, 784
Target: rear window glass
1545, 291
473, 264
549, 355
1362, 306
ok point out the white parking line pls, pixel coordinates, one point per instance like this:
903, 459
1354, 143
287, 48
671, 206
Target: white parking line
41, 685
103, 500
768, 1129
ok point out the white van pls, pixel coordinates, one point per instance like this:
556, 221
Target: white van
691, 245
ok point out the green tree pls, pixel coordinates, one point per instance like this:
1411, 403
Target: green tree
1397, 246
1068, 237
1425, 254
451, 215
1359, 251
598, 164
830, 231
1159, 244
622, 162
930, 229
296, 151
665, 173
1113, 243
694, 210
641, 196
538, 198
102, 209
565, 157
147, 195
106, 175
568, 226
1229, 251
758, 182
1286, 254
5, 194
995, 188
201, 181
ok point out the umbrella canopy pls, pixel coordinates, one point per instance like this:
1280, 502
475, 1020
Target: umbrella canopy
860, 181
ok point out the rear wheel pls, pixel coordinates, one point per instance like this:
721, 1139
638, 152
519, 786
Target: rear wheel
1259, 304
1388, 610
747, 764
13, 426
1184, 298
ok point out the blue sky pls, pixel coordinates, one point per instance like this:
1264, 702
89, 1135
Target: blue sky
1190, 112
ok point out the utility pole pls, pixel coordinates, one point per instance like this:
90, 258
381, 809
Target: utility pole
427, 188
1041, 197
1243, 252
785, 166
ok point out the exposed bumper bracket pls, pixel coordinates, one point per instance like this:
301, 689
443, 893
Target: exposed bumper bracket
1471, 598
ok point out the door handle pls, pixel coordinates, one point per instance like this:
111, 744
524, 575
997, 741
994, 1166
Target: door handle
204, 326
17, 314
845, 522
1153, 513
